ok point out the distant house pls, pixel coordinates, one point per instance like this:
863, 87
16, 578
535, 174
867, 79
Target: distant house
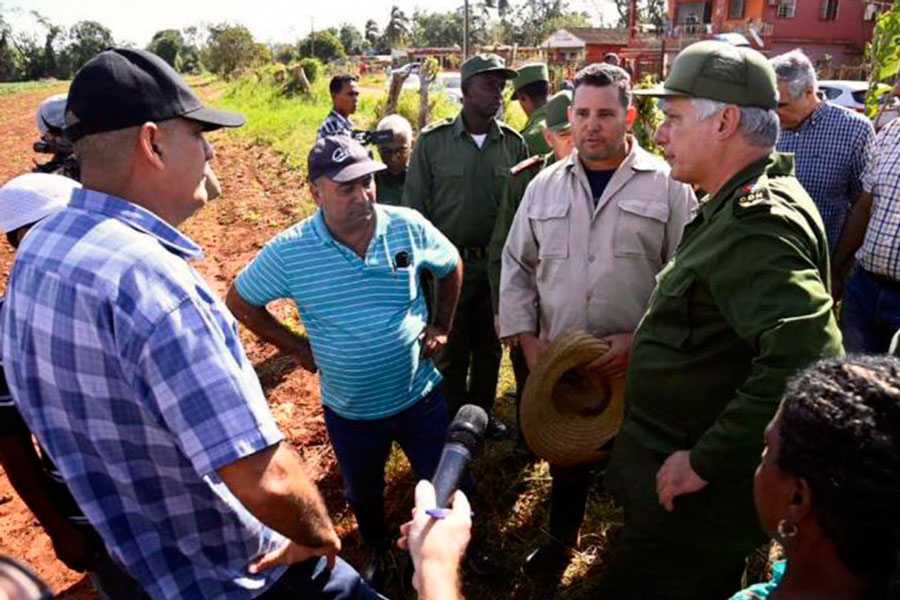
583, 44
838, 28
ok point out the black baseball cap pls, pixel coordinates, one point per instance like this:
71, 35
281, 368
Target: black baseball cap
340, 158
121, 87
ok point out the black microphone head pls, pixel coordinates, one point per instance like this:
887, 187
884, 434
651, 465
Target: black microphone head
468, 426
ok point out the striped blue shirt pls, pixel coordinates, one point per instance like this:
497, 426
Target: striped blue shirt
129, 370
363, 315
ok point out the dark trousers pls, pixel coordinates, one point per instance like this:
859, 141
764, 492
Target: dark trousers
312, 580
870, 313
470, 363
696, 552
568, 500
520, 372
362, 449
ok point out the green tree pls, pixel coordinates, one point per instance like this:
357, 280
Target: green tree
168, 44
353, 41
436, 30
883, 57
230, 50
531, 21
44, 63
324, 45
284, 53
397, 30
650, 12
86, 39
372, 34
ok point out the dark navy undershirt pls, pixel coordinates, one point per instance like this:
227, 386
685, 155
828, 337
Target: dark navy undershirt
598, 181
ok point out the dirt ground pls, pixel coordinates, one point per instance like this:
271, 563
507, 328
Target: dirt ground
259, 199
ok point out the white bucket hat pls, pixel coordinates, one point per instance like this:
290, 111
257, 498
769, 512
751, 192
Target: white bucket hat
29, 198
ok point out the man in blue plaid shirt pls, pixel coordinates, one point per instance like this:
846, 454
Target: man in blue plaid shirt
870, 314
830, 143
130, 372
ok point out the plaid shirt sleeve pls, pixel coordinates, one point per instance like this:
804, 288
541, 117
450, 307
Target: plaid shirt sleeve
264, 279
862, 150
195, 374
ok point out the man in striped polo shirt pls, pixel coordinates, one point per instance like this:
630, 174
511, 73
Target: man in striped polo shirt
353, 269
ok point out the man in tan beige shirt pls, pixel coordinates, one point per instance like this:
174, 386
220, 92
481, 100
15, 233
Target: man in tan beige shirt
587, 241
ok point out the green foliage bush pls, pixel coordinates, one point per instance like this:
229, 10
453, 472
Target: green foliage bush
313, 68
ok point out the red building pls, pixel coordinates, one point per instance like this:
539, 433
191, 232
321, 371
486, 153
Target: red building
838, 28
584, 45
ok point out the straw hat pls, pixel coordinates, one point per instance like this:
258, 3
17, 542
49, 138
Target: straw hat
566, 419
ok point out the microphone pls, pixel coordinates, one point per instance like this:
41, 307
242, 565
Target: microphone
464, 436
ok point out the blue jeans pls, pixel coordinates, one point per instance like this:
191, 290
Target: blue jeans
870, 314
362, 448
312, 579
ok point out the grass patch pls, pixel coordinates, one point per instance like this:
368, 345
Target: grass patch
26, 86
288, 124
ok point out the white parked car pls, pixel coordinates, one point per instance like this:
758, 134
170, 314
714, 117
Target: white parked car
852, 95
450, 82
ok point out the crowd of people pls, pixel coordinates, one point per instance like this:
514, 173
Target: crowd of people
712, 276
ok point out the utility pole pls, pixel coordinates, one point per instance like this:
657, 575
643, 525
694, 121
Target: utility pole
312, 37
465, 30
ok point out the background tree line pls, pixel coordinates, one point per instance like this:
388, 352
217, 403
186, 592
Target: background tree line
52, 50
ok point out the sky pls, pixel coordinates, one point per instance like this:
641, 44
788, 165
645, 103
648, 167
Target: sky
268, 20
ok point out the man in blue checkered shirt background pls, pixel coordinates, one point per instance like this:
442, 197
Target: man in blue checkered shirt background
870, 314
830, 143
129, 370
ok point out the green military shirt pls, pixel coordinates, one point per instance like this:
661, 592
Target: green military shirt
533, 132
742, 306
389, 187
458, 186
519, 178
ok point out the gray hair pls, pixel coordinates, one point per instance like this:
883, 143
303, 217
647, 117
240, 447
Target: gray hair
397, 124
759, 126
795, 70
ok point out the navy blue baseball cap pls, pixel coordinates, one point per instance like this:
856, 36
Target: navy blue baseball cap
340, 158
121, 87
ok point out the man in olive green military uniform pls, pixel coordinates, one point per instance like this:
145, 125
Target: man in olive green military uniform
742, 306
557, 135
531, 88
456, 177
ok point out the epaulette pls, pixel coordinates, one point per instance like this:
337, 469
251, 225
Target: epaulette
436, 125
754, 197
526, 165
509, 129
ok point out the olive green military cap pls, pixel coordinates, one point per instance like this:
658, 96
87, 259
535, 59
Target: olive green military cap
722, 72
485, 63
529, 74
557, 111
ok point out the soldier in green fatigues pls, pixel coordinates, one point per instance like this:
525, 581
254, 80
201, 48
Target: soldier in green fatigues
558, 136
456, 177
742, 306
531, 88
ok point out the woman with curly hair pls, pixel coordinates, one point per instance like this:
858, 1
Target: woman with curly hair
828, 485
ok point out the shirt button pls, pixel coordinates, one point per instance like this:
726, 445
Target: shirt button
591, 258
